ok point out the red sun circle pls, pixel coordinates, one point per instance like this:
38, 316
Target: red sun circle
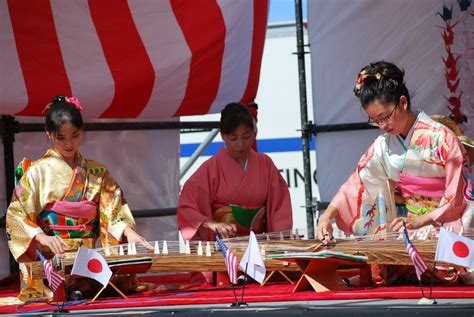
94, 266
460, 249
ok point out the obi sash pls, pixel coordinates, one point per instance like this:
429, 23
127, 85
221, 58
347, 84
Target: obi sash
422, 194
70, 220
424, 186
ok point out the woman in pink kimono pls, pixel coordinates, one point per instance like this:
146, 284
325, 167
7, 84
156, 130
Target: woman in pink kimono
236, 190
417, 158
63, 201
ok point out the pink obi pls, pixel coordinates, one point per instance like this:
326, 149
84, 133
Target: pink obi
424, 186
85, 210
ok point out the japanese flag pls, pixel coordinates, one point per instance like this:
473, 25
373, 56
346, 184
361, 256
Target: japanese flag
252, 262
455, 249
89, 263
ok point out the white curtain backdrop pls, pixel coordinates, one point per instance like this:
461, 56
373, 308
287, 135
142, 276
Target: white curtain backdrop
144, 163
345, 35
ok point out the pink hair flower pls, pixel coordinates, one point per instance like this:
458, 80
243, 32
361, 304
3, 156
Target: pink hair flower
361, 79
75, 102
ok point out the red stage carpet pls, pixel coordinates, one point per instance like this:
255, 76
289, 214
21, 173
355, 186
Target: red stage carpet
188, 295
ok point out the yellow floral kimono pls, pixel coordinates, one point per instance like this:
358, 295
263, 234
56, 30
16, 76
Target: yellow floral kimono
78, 204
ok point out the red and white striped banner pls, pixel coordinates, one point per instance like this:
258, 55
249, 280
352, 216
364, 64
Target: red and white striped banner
126, 59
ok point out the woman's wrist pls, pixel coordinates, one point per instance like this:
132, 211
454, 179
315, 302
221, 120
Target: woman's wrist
206, 223
126, 231
329, 214
39, 235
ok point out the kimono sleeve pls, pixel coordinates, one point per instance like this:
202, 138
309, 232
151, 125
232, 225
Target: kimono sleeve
458, 172
21, 225
115, 215
353, 196
278, 206
194, 205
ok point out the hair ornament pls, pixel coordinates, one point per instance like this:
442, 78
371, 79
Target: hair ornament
74, 101
46, 108
361, 79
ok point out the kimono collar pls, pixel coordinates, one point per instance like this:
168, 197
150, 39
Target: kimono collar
407, 139
80, 161
246, 160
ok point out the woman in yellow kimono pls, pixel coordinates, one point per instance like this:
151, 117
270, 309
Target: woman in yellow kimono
63, 201
418, 158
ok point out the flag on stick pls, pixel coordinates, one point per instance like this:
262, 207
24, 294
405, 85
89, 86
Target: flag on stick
455, 249
229, 258
252, 262
55, 279
89, 263
418, 262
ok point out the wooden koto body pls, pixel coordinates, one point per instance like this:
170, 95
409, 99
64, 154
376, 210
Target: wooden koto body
168, 263
389, 251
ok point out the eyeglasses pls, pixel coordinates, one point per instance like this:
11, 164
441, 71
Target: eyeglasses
383, 121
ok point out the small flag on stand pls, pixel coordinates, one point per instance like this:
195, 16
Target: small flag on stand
418, 262
89, 263
455, 249
252, 262
229, 258
55, 279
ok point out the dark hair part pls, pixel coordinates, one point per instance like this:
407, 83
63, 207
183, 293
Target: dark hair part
233, 115
384, 81
59, 112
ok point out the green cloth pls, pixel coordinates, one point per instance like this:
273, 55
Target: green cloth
243, 216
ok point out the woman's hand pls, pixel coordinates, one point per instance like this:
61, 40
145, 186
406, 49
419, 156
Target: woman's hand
226, 230
54, 243
413, 223
132, 236
325, 229
325, 224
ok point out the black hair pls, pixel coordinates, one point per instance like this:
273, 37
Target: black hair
59, 112
381, 81
233, 115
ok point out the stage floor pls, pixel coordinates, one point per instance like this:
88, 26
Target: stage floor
326, 308
175, 296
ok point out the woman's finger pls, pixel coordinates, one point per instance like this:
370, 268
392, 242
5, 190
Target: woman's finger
234, 228
395, 223
58, 245
321, 232
63, 243
147, 244
54, 247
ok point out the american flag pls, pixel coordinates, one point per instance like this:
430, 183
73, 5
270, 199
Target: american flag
418, 262
229, 258
55, 279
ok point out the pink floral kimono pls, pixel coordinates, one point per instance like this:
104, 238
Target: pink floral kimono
222, 190
429, 169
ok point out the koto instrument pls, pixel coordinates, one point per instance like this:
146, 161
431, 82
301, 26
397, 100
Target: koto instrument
203, 256
171, 256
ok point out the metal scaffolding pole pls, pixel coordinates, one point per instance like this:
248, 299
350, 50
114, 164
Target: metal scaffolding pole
306, 128
197, 153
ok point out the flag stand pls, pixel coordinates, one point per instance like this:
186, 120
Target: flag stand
430, 300
238, 303
103, 288
241, 303
420, 267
